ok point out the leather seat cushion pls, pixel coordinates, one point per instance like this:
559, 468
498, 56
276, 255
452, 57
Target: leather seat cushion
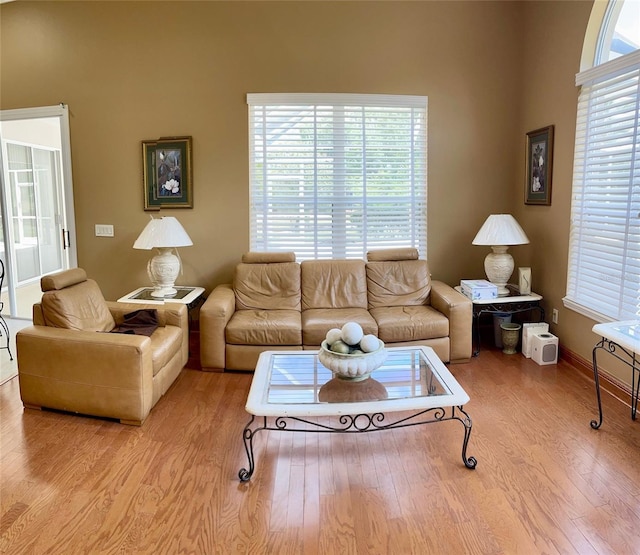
166, 341
410, 323
78, 307
317, 322
264, 327
400, 283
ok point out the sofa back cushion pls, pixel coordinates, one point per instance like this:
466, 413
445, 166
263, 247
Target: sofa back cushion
267, 286
79, 306
333, 284
398, 283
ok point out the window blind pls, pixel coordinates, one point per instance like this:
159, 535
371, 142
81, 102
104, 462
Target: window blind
335, 175
603, 279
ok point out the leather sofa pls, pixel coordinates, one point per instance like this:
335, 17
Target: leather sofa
275, 303
68, 361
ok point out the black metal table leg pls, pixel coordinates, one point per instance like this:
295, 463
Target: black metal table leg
5, 327
469, 462
248, 435
595, 424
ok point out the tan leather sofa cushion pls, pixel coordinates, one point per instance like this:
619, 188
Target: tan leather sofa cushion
398, 283
410, 323
267, 286
333, 284
165, 343
317, 322
264, 327
78, 307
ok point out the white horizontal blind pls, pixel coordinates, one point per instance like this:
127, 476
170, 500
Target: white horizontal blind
604, 254
335, 175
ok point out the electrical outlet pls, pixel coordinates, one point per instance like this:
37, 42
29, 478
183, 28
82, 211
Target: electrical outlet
554, 316
104, 230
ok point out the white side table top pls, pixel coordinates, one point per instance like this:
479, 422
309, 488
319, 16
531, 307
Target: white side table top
515, 297
624, 333
142, 295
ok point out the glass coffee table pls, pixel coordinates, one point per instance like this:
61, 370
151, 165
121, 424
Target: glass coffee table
291, 388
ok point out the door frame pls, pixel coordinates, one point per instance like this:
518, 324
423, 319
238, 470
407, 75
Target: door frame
61, 111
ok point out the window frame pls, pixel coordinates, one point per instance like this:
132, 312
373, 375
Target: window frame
317, 108
609, 101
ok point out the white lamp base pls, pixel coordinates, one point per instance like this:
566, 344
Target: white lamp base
163, 269
498, 265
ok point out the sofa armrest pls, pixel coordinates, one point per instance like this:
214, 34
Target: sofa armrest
102, 374
459, 310
215, 314
169, 314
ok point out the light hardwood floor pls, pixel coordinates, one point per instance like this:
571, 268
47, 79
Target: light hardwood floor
545, 481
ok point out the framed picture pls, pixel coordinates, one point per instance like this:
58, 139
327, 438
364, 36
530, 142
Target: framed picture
166, 173
539, 166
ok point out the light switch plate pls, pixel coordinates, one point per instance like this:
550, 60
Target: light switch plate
104, 230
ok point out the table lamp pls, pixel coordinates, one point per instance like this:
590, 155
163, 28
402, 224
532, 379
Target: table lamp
165, 234
499, 231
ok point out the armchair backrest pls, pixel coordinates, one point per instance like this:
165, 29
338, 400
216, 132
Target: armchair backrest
72, 301
267, 281
397, 277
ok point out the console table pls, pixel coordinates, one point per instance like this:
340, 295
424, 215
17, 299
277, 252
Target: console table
514, 303
621, 340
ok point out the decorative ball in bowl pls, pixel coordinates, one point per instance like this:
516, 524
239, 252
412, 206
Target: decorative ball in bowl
350, 354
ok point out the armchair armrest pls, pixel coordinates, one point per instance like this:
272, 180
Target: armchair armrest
459, 310
215, 313
169, 314
94, 373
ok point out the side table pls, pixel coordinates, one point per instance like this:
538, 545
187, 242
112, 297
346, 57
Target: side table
193, 297
621, 340
512, 304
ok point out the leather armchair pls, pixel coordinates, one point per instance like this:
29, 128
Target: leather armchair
68, 361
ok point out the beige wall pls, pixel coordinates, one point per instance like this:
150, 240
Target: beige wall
137, 71
134, 71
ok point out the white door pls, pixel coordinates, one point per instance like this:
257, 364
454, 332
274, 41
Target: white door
37, 235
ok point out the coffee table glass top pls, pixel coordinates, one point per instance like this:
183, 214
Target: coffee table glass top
296, 383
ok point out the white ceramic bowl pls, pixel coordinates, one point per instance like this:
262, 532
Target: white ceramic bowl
352, 366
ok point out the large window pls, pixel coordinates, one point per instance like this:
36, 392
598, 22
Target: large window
604, 254
335, 175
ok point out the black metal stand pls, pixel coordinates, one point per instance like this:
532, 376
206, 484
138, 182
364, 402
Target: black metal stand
3, 323
498, 307
354, 424
629, 358
5, 329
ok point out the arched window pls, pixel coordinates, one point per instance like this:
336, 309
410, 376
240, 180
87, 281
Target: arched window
603, 279
620, 31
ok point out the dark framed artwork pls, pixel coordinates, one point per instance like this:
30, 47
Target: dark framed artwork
166, 173
539, 166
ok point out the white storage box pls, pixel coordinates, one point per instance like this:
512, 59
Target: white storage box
477, 289
527, 334
544, 348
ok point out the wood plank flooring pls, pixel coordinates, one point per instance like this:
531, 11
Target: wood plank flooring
545, 481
